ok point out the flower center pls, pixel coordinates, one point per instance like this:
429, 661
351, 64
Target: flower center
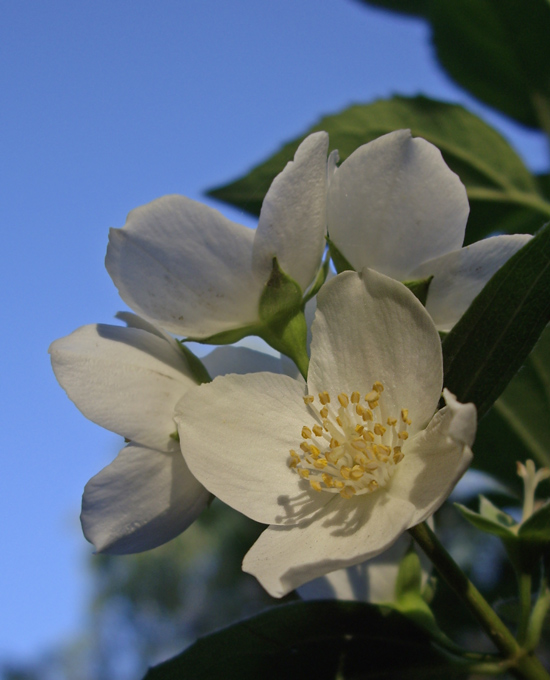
349, 450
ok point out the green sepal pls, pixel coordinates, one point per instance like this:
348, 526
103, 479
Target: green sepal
281, 310
227, 337
319, 279
196, 366
289, 336
409, 599
419, 288
282, 322
281, 296
341, 264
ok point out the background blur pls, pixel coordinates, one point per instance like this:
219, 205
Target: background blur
105, 106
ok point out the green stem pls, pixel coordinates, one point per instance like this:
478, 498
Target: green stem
538, 615
524, 582
522, 664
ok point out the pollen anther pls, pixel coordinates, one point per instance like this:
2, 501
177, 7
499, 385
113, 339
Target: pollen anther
342, 455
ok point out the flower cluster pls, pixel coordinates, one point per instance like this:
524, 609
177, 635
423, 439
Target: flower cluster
346, 454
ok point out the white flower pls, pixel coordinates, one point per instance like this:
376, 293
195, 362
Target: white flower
128, 380
192, 271
394, 206
338, 481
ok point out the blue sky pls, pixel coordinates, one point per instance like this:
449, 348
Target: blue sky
106, 106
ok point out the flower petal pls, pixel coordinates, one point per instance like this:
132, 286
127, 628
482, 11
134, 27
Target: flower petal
292, 223
435, 459
143, 499
371, 328
459, 276
124, 379
185, 266
236, 434
344, 533
371, 581
394, 203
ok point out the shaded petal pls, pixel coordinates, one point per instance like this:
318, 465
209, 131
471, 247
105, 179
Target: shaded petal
135, 321
371, 581
124, 379
461, 275
185, 266
241, 360
143, 499
369, 327
292, 223
236, 434
344, 533
435, 459
394, 203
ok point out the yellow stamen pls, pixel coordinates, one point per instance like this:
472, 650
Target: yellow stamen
306, 432
347, 492
343, 399
355, 397
318, 430
315, 485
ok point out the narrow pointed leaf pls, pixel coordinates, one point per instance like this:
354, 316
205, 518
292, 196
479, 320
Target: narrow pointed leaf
489, 344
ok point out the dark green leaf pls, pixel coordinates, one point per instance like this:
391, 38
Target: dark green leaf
525, 404
537, 527
412, 7
498, 50
491, 341
321, 640
503, 195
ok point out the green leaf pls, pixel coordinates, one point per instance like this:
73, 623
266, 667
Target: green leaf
322, 640
485, 524
412, 7
499, 51
525, 404
503, 194
537, 528
496, 49
486, 348
491, 512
